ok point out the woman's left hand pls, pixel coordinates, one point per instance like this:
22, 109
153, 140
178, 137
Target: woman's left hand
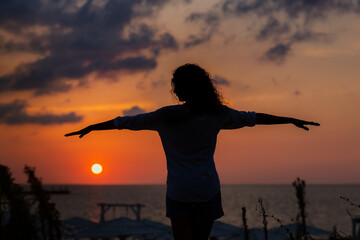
301, 124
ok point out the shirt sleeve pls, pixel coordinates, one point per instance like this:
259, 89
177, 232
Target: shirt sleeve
144, 121
237, 119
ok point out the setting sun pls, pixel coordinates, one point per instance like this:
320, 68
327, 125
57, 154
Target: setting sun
96, 168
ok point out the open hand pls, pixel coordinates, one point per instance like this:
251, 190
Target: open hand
81, 132
301, 123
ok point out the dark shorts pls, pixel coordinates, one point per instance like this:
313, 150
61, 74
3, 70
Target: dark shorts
210, 210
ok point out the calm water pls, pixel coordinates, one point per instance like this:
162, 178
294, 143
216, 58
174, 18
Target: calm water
324, 206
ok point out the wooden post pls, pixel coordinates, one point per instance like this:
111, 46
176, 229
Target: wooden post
356, 228
138, 212
102, 214
135, 208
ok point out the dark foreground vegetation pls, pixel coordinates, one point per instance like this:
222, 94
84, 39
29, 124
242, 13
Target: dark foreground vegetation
36, 218
300, 220
31, 218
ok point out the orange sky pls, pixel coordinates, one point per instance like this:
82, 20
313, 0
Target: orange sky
290, 60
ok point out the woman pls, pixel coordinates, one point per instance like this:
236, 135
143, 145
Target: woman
188, 133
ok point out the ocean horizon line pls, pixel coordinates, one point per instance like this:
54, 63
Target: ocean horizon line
223, 184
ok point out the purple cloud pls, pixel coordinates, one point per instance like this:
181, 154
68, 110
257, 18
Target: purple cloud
15, 113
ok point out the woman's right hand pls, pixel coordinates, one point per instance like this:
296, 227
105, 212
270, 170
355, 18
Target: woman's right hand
301, 123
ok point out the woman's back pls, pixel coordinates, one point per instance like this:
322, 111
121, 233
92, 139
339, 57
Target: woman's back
189, 140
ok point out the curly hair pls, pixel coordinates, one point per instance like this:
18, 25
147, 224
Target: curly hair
193, 85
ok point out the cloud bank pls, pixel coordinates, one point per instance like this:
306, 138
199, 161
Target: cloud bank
14, 113
135, 110
77, 39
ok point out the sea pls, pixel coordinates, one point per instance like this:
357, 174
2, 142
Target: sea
325, 207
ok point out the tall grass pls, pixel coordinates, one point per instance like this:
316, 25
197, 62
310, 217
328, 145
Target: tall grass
264, 220
22, 222
16, 220
302, 216
246, 229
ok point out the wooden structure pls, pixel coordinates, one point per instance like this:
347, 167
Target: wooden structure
356, 228
135, 208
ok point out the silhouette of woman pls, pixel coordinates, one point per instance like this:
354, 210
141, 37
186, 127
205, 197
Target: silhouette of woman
188, 133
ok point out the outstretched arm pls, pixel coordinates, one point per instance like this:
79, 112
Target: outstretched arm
263, 118
99, 126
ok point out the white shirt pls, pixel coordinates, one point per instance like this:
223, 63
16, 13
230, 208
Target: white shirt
189, 140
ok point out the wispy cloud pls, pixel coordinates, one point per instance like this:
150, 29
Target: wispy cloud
284, 23
221, 80
272, 29
15, 113
278, 53
210, 22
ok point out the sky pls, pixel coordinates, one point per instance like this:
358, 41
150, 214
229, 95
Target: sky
66, 64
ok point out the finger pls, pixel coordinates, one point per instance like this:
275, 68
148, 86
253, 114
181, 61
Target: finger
71, 134
303, 127
83, 134
312, 123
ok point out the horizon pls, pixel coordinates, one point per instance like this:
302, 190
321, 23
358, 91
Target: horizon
164, 184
